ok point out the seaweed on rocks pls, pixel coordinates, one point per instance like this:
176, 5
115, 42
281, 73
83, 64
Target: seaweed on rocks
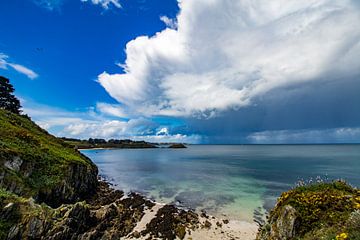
171, 222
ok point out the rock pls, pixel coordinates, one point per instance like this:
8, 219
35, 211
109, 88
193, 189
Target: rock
207, 224
225, 221
136, 234
354, 220
14, 164
285, 224
171, 222
106, 212
203, 214
79, 183
14, 233
36, 228
104, 195
180, 231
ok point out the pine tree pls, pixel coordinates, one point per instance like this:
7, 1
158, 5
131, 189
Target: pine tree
7, 100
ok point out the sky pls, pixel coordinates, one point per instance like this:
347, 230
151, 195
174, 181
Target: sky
195, 71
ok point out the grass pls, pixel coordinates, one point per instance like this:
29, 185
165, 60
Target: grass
45, 157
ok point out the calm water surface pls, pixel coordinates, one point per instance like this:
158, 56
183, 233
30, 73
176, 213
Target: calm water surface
225, 179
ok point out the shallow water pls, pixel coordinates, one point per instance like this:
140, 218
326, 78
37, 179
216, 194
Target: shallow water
225, 179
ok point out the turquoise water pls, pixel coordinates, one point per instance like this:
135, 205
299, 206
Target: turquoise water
225, 179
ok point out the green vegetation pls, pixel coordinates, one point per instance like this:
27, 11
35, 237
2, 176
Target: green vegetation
321, 211
31, 159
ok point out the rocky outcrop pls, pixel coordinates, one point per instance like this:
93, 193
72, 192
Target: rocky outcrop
316, 211
106, 215
281, 227
171, 223
80, 182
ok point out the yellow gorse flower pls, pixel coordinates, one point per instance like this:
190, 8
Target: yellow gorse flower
342, 236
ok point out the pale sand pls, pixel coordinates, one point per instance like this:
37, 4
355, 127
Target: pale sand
233, 230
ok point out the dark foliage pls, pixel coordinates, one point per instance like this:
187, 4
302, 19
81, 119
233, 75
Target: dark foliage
7, 100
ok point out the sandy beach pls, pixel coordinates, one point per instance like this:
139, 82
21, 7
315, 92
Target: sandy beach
211, 227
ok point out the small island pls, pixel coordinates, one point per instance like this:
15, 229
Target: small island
177, 145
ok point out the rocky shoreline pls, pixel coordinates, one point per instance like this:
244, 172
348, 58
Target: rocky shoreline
108, 214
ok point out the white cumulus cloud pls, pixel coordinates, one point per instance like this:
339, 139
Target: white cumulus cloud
97, 123
111, 110
223, 54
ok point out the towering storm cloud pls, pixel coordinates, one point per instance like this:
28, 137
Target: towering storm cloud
221, 55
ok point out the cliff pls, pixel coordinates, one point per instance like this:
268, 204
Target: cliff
317, 211
36, 164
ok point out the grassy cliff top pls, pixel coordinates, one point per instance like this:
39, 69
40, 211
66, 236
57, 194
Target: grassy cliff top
21, 136
32, 159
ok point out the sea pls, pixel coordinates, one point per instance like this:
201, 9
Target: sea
232, 181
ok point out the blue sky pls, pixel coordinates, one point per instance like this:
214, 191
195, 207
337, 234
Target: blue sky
196, 71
